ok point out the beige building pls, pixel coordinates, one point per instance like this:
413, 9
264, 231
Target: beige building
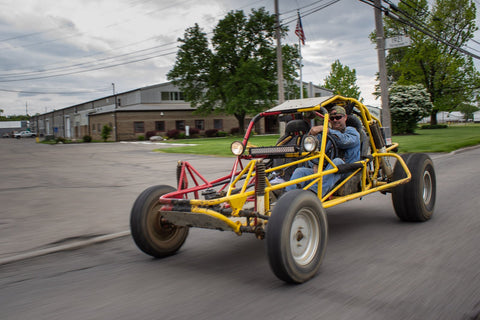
140, 112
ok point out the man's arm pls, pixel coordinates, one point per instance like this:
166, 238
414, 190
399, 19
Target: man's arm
348, 139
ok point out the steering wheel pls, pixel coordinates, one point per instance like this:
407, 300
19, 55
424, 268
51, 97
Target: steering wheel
331, 150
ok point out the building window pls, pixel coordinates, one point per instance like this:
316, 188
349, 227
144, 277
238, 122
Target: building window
165, 95
200, 124
139, 127
180, 125
99, 128
218, 124
160, 125
172, 96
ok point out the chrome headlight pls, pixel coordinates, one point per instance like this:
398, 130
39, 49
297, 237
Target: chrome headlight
237, 148
310, 143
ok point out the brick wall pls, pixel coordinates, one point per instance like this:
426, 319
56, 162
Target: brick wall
126, 129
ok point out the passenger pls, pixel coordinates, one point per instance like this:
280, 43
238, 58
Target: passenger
347, 140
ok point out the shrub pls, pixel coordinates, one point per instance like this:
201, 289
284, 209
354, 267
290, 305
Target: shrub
173, 134
181, 135
106, 130
194, 131
87, 138
235, 131
221, 134
60, 140
408, 105
150, 134
141, 138
211, 133
434, 126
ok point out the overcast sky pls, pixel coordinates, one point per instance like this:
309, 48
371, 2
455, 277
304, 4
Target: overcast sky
55, 54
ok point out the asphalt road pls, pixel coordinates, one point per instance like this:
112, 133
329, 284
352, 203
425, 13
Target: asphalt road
56, 194
376, 267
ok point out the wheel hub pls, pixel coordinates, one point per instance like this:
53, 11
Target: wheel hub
304, 237
427, 187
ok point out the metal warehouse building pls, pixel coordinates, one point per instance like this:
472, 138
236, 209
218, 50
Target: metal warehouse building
131, 114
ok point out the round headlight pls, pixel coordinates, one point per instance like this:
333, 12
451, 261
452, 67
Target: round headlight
237, 148
310, 143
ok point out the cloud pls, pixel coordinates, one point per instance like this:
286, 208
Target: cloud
72, 36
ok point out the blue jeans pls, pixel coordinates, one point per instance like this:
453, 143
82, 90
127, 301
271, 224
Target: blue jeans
328, 181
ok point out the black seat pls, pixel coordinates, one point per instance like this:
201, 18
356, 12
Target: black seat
354, 121
297, 127
294, 132
354, 184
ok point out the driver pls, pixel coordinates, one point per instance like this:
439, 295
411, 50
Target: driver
348, 142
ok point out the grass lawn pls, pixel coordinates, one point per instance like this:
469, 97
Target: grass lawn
440, 140
217, 146
426, 140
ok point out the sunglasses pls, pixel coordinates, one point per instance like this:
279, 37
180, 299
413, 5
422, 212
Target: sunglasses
334, 117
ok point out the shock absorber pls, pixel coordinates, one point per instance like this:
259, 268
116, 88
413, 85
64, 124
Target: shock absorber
260, 185
380, 144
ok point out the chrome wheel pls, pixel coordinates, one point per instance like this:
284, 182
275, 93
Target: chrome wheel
427, 187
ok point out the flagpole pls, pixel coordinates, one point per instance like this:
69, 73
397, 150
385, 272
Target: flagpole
301, 40
301, 76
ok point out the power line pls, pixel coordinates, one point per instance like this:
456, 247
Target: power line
91, 69
308, 12
407, 20
63, 68
87, 64
117, 60
55, 92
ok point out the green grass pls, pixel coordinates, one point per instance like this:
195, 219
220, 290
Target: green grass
426, 140
440, 140
216, 146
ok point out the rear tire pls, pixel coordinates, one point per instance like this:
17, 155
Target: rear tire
151, 235
296, 236
415, 200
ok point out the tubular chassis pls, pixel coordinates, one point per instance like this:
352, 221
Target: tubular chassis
293, 223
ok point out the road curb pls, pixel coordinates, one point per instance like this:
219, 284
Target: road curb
464, 149
65, 247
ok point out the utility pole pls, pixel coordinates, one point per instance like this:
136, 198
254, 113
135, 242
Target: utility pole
281, 91
115, 135
386, 122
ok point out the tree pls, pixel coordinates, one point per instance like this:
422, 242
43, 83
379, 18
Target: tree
15, 118
468, 110
342, 80
238, 75
408, 105
449, 75
106, 130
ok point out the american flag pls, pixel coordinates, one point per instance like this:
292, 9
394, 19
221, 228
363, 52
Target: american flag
299, 30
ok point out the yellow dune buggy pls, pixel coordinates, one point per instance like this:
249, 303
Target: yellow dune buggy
250, 200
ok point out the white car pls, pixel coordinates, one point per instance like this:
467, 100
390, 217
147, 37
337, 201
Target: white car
25, 134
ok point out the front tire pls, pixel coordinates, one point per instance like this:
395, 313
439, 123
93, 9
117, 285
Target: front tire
296, 236
150, 234
415, 200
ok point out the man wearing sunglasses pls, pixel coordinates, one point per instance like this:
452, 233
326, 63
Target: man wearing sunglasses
347, 140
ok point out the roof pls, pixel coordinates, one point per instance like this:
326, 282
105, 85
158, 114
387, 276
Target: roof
150, 107
299, 104
157, 107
